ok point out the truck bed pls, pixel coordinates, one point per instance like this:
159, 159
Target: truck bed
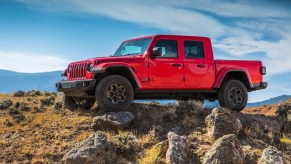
252, 68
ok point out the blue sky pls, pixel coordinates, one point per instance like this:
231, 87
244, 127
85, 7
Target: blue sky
38, 36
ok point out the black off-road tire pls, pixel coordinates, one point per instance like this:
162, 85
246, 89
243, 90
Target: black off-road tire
69, 102
105, 85
227, 97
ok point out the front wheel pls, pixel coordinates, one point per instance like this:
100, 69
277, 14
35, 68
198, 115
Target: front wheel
233, 95
114, 93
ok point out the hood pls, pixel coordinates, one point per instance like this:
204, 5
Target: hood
108, 59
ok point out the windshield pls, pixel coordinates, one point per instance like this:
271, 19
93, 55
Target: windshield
133, 47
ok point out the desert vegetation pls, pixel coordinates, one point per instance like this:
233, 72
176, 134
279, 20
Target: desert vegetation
35, 128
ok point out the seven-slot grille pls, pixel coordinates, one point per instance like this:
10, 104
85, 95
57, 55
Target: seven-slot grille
78, 71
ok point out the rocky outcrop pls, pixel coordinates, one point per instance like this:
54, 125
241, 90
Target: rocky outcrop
226, 149
92, 150
252, 154
178, 149
267, 129
221, 122
284, 112
117, 120
272, 155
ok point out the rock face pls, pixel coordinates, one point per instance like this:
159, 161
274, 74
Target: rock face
117, 120
268, 129
178, 149
272, 155
221, 122
226, 149
92, 150
284, 112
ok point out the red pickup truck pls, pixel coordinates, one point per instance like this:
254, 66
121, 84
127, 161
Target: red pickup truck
161, 67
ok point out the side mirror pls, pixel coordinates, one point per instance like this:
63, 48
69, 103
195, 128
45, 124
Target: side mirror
157, 51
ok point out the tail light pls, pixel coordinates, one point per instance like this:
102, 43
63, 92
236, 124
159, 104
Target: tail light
263, 70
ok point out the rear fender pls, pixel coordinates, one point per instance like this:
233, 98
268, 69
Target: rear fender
225, 71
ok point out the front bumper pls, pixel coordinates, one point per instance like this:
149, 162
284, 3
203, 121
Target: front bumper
76, 87
261, 85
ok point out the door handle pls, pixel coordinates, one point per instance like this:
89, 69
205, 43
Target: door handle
176, 65
201, 65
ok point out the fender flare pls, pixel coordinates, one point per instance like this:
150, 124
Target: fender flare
104, 66
225, 71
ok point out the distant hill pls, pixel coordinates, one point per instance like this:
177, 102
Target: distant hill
275, 100
11, 81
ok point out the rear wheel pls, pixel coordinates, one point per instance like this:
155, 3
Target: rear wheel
233, 95
114, 93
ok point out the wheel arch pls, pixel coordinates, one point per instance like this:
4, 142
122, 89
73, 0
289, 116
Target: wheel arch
122, 70
234, 74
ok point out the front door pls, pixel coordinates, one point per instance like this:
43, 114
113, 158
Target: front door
166, 71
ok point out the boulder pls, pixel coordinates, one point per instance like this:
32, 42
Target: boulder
267, 129
284, 112
252, 154
272, 155
221, 122
118, 120
92, 150
226, 149
178, 149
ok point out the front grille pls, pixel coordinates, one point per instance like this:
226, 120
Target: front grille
78, 71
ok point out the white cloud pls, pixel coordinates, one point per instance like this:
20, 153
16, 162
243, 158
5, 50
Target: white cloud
244, 9
242, 25
166, 16
31, 62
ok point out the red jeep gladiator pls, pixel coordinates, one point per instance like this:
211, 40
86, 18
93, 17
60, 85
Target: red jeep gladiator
161, 67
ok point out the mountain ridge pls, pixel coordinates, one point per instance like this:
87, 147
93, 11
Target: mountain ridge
11, 81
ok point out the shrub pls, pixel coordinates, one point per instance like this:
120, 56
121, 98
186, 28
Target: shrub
46, 93
58, 105
16, 115
19, 93
151, 155
7, 123
47, 101
155, 133
37, 110
191, 107
17, 104
5, 103
285, 140
126, 144
33, 93
24, 107
284, 112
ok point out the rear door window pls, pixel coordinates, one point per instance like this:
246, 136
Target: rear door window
194, 49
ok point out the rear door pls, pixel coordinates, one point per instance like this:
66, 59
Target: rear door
166, 70
196, 65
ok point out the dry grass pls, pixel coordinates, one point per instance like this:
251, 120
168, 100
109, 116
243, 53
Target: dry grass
150, 155
83, 136
285, 140
44, 134
145, 139
189, 122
